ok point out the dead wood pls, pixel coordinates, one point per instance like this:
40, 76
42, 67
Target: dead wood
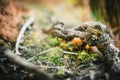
42, 75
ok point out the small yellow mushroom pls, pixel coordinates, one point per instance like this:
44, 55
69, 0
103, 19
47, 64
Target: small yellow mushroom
87, 47
76, 41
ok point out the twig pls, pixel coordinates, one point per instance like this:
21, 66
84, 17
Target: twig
22, 62
21, 34
57, 67
46, 51
41, 53
67, 52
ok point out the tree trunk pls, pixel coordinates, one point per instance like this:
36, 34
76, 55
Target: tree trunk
109, 11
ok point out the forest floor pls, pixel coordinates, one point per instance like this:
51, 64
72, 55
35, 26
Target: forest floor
50, 53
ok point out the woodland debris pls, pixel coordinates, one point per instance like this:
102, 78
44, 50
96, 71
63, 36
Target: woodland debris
97, 35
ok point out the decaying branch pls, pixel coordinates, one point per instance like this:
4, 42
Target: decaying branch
22, 62
59, 31
95, 34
